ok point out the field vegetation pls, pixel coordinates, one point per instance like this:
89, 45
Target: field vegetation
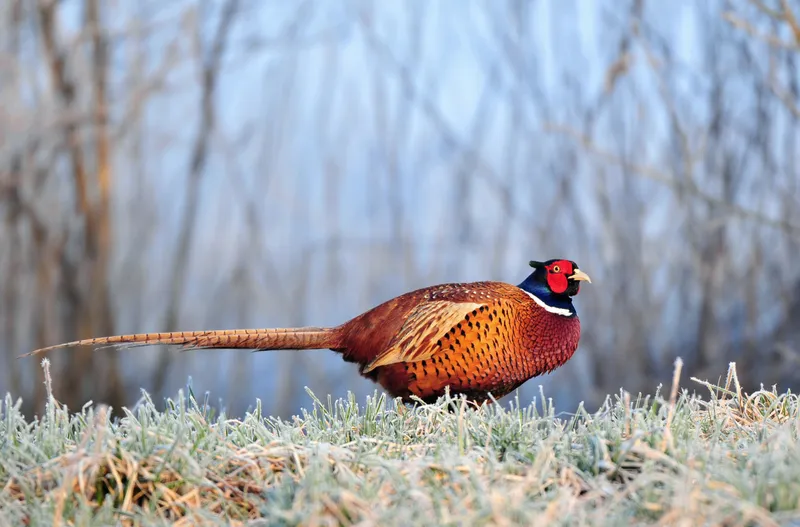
703, 454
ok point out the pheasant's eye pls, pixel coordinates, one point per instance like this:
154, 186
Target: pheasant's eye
556, 269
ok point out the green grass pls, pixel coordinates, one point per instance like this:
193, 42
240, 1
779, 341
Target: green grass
726, 459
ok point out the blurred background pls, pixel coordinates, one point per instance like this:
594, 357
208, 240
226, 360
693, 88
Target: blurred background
182, 165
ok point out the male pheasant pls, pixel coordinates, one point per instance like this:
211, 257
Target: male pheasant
475, 338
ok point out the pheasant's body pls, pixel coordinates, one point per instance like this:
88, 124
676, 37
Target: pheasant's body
475, 338
496, 337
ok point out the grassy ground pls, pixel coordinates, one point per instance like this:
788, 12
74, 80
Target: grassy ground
729, 459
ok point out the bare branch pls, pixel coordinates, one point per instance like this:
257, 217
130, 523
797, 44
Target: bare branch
747, 27
211, 65
791, 19
66, 90
651, 173
471, 156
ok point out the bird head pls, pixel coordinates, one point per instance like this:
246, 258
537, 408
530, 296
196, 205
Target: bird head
561, 277
553, 283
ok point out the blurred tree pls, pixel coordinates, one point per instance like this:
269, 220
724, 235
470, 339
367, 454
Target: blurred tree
230, 163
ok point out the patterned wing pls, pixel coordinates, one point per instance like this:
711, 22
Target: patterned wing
426, 324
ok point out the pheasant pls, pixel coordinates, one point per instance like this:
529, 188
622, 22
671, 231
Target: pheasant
476, 338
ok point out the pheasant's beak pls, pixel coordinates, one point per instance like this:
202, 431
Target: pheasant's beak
580, 275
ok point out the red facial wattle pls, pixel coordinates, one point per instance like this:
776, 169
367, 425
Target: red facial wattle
557, 274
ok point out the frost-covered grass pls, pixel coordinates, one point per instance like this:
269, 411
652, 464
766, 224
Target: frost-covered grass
727, 459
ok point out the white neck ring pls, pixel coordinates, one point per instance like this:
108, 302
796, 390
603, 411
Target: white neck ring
555, 310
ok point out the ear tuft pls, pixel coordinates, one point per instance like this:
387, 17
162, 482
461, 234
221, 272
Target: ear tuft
535, 264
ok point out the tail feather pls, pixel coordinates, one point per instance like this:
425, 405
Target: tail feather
254, 339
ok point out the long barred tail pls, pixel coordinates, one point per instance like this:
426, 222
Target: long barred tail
254, 339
